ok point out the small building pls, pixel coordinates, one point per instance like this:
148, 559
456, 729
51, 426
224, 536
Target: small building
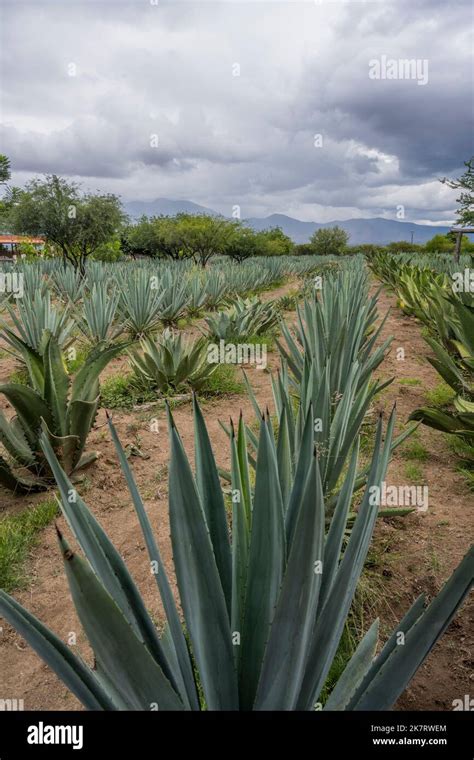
10, 245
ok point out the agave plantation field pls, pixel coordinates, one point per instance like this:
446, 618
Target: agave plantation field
240, 487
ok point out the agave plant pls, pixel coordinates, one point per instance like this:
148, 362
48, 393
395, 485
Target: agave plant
64, 410
216, 289
243, 319
264, 608
139, 305
97, 320
34, 320
328, 366
174, 298
197, 295
172, 363
457, 370
69, 283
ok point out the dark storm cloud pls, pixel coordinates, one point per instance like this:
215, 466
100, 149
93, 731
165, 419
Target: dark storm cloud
153, 106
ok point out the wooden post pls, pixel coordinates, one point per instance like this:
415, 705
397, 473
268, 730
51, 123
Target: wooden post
457, 248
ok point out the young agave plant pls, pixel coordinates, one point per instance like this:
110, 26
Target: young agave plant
216, 289
243, 318
69, 283
64, 411
34, 320
172, 363
174, 298
328, 366
264, 610
457, 370
197, 294
97, 321
139, 305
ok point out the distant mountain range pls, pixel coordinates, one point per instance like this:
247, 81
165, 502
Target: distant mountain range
378, 231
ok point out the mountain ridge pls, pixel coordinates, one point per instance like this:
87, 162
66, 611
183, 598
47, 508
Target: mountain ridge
376, 230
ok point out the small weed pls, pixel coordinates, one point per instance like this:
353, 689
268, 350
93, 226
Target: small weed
18, 535
120, 392
20, 377
223, 381
413, 472
414, 449
441, 395
409, 381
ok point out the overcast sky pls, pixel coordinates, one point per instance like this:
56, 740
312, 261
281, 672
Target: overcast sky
146, 99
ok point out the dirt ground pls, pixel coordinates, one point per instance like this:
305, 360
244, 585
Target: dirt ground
413, 554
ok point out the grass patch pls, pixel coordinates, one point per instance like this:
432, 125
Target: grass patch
18, 535
120, 392
20, 377
413, 472
409, 381
223, 380
441, 395
415, 450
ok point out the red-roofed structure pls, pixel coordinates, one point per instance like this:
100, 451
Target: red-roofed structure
9, 244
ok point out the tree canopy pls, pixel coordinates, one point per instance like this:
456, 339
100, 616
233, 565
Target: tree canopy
76, 222
465, 201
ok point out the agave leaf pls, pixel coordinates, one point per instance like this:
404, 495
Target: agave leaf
176, 640
332, 551
118, 651
56, 386
30, 409
85, 384
199, 584
240, 542
80, 418
105, 560
403, 626
302, 468
292, 626
393, 674
355, 670
210, 491
15, 483
330, 622
69, 668
265, 569
14, 441
30, 356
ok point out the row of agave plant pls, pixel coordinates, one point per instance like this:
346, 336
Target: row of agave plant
448, 314
176, 289
265, 591
41, 333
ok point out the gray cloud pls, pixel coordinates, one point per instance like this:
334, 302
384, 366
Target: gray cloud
91, 87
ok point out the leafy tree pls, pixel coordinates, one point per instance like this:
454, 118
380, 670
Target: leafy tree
138, 239
202, 236
446, 244
274, 242
77, 223
329, 241
242, 243
5, 171
465, 201
404, 246
304, 249
109, 251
